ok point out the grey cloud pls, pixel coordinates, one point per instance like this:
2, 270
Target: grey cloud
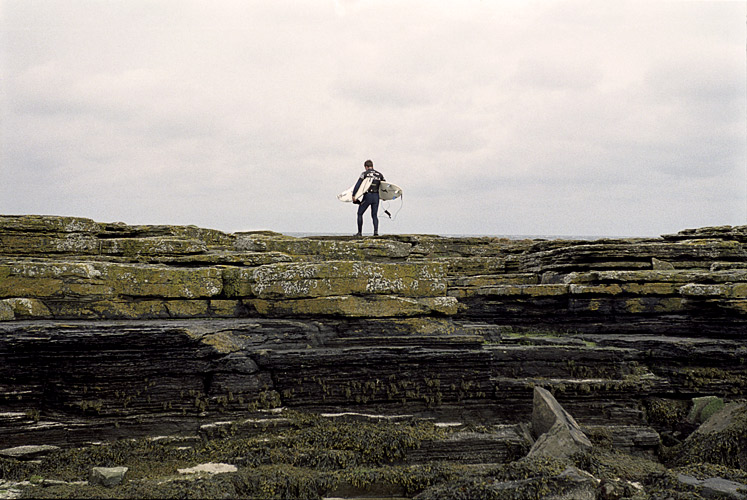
379, 92
698, 75
553, 74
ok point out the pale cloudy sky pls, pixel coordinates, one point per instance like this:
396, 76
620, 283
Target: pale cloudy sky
578, 117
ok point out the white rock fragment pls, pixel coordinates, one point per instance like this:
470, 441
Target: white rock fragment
209, 468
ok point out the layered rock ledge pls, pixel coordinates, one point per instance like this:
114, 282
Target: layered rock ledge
110, 330
72, 268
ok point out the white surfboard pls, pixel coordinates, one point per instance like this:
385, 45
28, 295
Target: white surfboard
347, 195
387, 191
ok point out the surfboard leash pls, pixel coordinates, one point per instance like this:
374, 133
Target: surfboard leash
388, 213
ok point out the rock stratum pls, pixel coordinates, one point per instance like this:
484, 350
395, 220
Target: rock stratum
110, 330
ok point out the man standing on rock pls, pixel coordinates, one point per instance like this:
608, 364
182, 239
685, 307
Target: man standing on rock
370, 197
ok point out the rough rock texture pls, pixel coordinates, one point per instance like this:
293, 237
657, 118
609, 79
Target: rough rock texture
111, 330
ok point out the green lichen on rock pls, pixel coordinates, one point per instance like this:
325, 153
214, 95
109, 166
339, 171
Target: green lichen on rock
315, 249
237, 282
28, 308
35, 235
47, 224
136, 247
706, 470
222, 342
6, 311
32, 279
48, 258
157, 281
90, 280
225, 308
334, 278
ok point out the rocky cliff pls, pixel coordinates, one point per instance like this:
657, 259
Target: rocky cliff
113, 330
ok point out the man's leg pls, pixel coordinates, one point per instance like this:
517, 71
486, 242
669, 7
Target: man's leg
375, 215
361, 209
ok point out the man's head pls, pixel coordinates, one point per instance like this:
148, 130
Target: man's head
368, 164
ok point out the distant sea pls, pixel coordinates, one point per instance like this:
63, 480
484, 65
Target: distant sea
508, 236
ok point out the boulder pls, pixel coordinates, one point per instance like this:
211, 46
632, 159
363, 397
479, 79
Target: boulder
720, 440
733, 416
107, 476
558, 435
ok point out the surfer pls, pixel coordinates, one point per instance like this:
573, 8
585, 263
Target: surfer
370, 197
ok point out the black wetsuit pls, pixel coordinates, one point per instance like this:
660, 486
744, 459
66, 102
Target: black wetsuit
370, 199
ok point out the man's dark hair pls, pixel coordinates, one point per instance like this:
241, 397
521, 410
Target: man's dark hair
368, 163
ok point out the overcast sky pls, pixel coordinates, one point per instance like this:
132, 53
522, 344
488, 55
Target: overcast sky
496, 117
